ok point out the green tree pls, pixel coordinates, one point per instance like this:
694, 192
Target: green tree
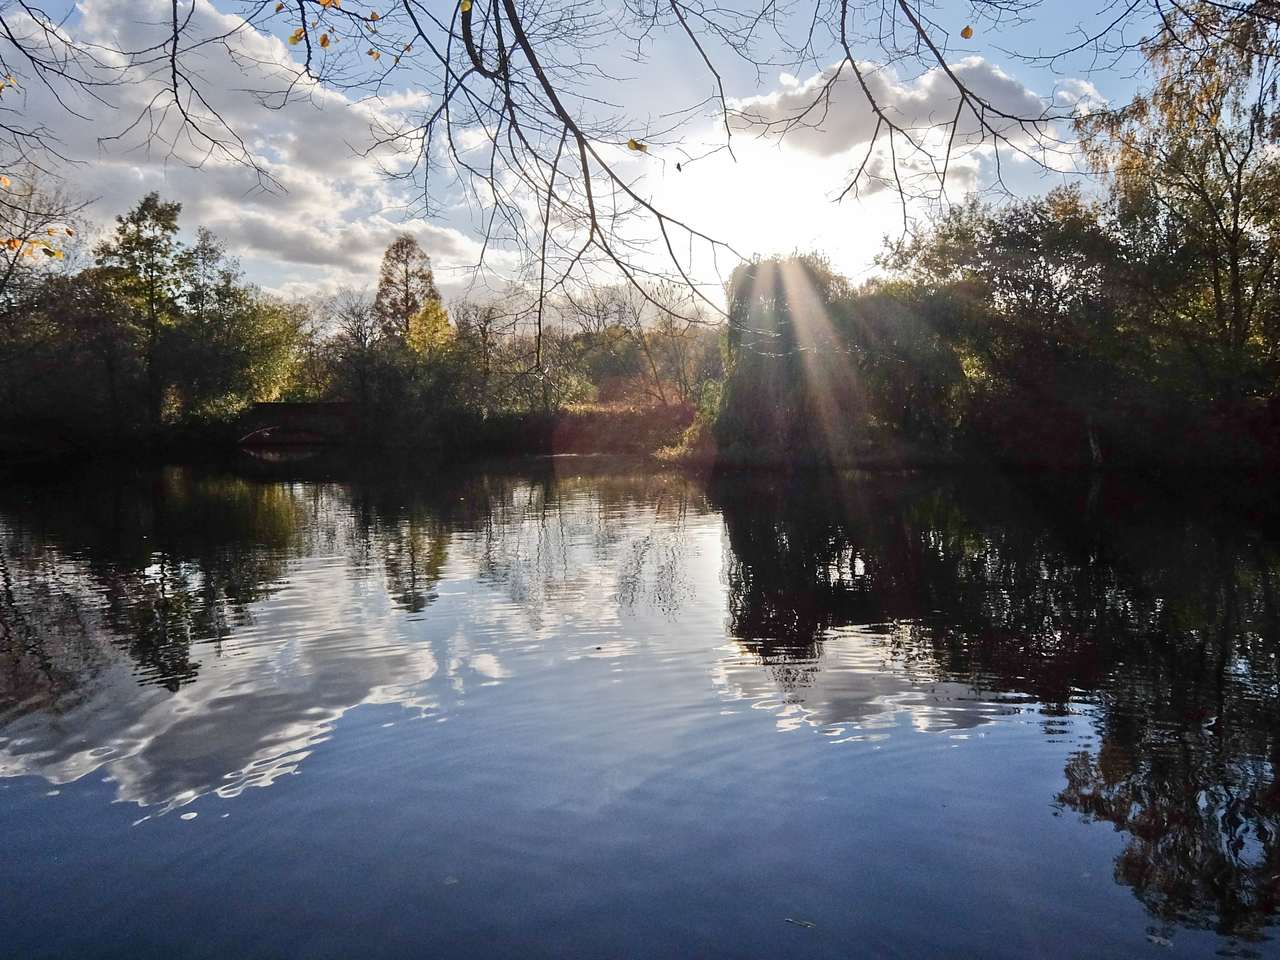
143, 257
231, 345
789, 387
73, 369
93, 330
1034, 300
1197, 182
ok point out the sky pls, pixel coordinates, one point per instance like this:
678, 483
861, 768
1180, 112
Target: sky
334, 208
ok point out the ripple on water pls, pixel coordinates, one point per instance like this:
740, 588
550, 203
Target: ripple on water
638, 698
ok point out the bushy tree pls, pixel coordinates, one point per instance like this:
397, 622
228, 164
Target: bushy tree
142, 258
154, 334
1035, 302
1195, 162
789, 388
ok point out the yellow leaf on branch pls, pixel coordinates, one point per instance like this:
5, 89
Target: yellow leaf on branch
296, 37
465, 6
967, 32
324, 40
634, 144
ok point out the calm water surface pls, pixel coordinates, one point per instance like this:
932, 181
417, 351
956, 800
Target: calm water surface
574, 709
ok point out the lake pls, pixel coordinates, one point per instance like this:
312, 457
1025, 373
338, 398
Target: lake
579, 708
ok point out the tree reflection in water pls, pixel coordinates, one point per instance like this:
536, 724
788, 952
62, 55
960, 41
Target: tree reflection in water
957, 598
150, 563
1161, 623
201, 632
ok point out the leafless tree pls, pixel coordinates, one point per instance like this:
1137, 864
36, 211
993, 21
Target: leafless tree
481, 326
661, 320
356, 327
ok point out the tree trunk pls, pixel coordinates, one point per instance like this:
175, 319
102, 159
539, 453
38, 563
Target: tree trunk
1095, 448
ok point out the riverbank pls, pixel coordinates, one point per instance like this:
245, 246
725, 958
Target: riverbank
624, 429
674, 435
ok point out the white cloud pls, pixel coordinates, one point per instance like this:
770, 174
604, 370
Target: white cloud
925, 106
334, 210
778, 194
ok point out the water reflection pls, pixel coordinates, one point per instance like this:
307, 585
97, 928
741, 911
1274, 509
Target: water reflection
191, 632
154, 632
853, 684
1159, 622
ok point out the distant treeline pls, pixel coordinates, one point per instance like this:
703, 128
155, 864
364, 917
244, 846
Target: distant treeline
147, 341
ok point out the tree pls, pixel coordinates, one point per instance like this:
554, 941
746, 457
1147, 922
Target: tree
479, 327
37, 223
312, 353
143, 257
429, 329
406, 286
1197, 181
208, 277
231, 344
76, 372
790, 391
153, 334
354, 317
1035, 300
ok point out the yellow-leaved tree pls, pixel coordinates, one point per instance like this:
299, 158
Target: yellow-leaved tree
429, 329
